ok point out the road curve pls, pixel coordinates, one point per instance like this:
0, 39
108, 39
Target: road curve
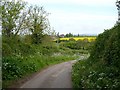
57, 76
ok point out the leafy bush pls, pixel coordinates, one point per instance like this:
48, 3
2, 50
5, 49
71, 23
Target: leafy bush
26, 41
107, 47
77, 44
10, 68
86, 75
101, 69
15, 68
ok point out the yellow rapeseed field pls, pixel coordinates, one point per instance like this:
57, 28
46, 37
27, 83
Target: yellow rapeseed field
79, 38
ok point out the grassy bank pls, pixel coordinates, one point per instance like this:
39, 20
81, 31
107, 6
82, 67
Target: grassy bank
86, 75
27, 42
21, 59
15, 68
97, 75
102, 69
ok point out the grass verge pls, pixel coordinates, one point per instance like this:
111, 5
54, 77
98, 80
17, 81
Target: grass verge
16, 68
95, 75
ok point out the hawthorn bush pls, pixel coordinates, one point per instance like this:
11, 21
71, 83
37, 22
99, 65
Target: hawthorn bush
102, 68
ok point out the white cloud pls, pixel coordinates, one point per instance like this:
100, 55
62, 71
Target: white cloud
66, 17
65, 21
85, 2
81, 22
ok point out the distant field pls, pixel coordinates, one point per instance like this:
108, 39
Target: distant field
78, 38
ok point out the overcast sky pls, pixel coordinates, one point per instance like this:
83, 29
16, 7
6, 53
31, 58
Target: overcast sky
79, 16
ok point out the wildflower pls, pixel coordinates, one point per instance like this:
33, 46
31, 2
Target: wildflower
90, 75
98, 86
90, 72
83, 67
101, 74
6, 64
100, 78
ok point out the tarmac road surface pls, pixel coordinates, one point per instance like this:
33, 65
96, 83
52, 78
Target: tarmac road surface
57, 76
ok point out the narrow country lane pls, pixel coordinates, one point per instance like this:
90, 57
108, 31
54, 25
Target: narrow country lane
57, 76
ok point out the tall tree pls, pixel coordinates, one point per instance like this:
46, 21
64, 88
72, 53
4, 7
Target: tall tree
69, 35
37, 23
12, 17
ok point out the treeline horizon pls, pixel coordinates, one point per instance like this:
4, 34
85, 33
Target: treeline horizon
75, 35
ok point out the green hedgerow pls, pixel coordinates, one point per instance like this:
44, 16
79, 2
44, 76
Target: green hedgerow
102, 69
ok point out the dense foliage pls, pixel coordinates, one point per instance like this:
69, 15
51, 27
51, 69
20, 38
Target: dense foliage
102, 69
27, 44
80, 44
